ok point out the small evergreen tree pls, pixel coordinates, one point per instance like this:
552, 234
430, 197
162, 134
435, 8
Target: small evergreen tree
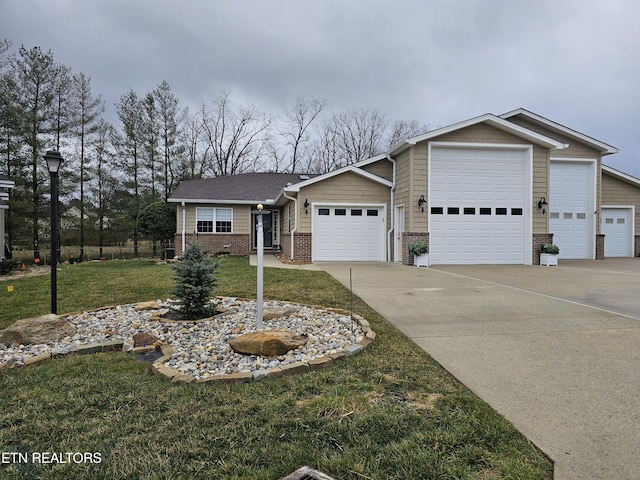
194, 282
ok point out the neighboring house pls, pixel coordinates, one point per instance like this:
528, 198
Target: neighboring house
488, 190
5, 185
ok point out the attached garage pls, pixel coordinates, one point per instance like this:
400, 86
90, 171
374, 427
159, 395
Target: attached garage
348, 233
478, 204
572, 207
617, 226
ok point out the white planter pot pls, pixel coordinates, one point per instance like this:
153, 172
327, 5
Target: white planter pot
549, 259
421, 260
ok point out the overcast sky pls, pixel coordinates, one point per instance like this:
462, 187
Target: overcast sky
576, 62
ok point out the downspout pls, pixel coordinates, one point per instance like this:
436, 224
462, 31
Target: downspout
295, 226
393, 210
184, 225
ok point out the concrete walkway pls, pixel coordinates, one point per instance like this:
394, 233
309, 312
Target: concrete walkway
556, 350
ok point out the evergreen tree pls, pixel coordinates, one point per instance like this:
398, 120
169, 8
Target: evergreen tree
194, 281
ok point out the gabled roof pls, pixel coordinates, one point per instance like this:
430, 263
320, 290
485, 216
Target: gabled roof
621, 175
355, 168
605, 149
489, 119
244, 188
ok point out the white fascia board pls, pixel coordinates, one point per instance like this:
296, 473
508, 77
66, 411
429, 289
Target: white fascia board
369, 161
492, 120
604, 148
621, 175
220, 202
340, 171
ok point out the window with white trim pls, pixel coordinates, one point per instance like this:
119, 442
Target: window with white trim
214, 220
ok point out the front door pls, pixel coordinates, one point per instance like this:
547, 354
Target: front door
267, 225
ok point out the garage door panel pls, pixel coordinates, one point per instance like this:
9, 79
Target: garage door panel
348, 233
480, 183
571, 208
617, 227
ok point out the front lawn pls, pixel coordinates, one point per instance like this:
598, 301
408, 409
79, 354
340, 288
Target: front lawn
390, 412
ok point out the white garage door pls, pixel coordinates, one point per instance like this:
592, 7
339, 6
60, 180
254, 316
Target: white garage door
617, 229
478, 210
571, 207
348, 233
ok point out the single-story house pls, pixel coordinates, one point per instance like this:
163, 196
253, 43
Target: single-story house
488, 190
5, 185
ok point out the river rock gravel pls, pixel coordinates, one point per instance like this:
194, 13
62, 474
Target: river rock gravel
201, 348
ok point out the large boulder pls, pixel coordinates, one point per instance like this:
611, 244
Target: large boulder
268, 343
38, 330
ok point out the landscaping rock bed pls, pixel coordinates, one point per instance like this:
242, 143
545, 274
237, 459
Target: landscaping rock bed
199, 351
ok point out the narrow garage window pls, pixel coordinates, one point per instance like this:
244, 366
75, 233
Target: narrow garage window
501, 211
516, 211
485, 211
437, 210
372, 213
341, 211
453, 210
469, 211
323, 211
356, 212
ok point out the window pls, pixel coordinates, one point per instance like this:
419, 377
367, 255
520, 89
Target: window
372, 213
516, 211
437, 210
323, 211
210, 220
453, 210
469, 210
485, 211
567, 215
223, 220
356, 212
341, 211
501, 211
581, 216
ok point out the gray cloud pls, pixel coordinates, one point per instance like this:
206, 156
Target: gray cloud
437, 62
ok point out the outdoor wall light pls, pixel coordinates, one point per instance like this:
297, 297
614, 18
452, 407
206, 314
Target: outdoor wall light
421, 202
542, 203
306, 206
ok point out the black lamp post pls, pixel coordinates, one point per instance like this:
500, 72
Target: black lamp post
54, 161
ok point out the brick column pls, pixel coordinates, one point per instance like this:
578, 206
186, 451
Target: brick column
600, 246
540, 239
410, 237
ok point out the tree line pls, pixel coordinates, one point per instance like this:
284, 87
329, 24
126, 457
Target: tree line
112, 171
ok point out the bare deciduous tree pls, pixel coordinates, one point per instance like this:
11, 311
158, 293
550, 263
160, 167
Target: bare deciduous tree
295, 130
403, 129
235, 137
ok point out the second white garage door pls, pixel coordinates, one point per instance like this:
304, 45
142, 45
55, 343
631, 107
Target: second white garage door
478, 208
617, 227
571, 208
348, 233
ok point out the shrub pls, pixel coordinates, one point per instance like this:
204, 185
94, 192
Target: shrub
550, 248
194, 281
8, 264
418, 248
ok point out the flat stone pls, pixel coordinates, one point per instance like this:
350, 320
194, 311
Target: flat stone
153, 305
295, 368
37, 330
36, 359
362, 322
371, 335
100, 347
142, 339
260, 374
238, 377
183, 378
353, 349
161, 369
268, 343
320, 362
338, 355
277, 312
275, 371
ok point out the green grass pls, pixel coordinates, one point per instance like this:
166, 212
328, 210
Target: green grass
390, 412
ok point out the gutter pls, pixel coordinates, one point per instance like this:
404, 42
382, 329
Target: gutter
295, 227
184, 225
393, 210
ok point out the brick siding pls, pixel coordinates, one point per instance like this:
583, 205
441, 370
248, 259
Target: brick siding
410, 237
234, 243
600, 246
540, 239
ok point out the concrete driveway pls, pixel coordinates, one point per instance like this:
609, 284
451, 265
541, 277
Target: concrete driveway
556, 350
